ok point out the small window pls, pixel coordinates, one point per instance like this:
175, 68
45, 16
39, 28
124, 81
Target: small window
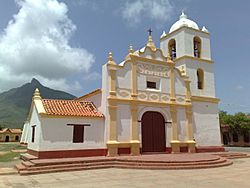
200, 79
33, 134
151, 85
78, 134
16, 138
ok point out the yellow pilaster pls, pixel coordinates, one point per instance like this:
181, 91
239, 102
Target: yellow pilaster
112, 144
133, 80
112, 75
175, 143
190, 136
112, 78
172, 84
135, 143
188, 91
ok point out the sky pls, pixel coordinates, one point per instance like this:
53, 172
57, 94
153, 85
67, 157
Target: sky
64, 43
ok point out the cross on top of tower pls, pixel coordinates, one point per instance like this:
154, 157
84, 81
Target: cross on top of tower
150, 32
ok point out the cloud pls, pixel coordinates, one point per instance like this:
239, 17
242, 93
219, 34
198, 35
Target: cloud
239, 87
136, 11
35, 43
92, 76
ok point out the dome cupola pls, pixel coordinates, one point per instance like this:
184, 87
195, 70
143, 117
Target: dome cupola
183, 21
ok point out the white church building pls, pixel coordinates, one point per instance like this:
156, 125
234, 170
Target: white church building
158, 100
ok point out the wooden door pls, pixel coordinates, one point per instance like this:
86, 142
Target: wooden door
7, 139
153, 132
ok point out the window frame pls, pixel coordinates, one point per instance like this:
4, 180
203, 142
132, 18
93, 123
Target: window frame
78, 135
33, 133
151, 85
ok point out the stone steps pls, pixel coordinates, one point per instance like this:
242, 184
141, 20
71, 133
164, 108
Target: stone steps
233, 155
124, 166
122, 162
27, 157
59, 165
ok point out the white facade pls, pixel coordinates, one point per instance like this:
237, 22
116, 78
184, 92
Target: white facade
189, 110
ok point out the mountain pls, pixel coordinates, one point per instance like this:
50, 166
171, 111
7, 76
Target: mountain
15, 103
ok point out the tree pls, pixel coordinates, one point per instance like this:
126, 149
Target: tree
239, 122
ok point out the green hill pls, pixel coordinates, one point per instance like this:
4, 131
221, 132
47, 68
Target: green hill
15, 103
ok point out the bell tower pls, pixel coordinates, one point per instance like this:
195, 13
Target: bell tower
189, 48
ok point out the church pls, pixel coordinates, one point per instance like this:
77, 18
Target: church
158, 100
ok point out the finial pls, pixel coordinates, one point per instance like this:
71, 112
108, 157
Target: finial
205, 29
150, 42
131, 50
110, 59
183, 15
37, 94
163, 34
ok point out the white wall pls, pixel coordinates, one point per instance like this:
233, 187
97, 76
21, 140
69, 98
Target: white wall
104, 102
180, 86
25, 133
34, 121
123, 123
182, 124
123, 76
57, 135
209, 83
206, 124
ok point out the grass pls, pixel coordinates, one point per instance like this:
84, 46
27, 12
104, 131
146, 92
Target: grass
8, 155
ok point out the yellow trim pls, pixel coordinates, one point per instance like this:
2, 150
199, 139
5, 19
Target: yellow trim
133, 80
112, 78
123, 144
90, 94
173, 112
44, 115
154, 61
188, 91
192, 58
172, 84
147, 103
135, 143
152, 50
205, 99
177, 30
112, 119
189, 117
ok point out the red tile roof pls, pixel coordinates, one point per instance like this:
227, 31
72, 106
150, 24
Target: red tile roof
15, 131
70, 108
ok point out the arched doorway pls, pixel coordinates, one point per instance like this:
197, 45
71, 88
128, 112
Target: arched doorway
153, 132
16, 138
7, 139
